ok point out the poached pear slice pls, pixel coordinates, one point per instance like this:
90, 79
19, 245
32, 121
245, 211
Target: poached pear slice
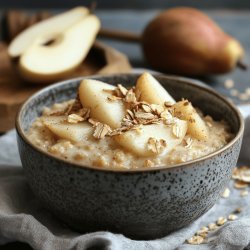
149, 90
40, 63
92, 95
74, 132
44, 30
137, 142
196, 126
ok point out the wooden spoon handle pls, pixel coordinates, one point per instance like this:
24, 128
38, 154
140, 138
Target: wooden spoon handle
125, 36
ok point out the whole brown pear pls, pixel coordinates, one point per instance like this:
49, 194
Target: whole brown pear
186, 41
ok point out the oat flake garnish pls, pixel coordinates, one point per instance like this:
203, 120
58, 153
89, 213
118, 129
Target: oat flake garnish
144, 116
84, 113
74, 118
75, 106
130, 96
122, 89
226, 193
188, 142
101, 130
195, 240
93, 121
146, 108
157, 109
113, 98
109, 91
156, 146
130, 114
166, 115
176, 130
168, 104
148, 164
209, 124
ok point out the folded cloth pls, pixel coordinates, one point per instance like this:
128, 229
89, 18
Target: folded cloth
22, 217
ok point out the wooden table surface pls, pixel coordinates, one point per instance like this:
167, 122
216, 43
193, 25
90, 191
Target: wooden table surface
236, 23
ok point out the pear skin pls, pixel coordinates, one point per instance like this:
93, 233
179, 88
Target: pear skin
186, 41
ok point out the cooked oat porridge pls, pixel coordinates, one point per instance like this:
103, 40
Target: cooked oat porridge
115, 127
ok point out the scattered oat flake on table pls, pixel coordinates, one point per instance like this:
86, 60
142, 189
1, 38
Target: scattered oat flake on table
244, 193
221, 221
240, 184
243, 96
242, 173
229, 83
195, 240
232, 217
212, 226
235, 173
226, 193
238, 210
247, 91
234, 92
203, 231
203, 235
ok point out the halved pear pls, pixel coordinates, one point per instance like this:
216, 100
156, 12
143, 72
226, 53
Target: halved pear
196, 126
43, 31
41, 63
137, 142
73, 132
92, 95
150, 90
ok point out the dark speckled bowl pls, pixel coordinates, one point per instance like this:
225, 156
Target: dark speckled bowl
142, 204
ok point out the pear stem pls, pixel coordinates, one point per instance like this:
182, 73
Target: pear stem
241, 65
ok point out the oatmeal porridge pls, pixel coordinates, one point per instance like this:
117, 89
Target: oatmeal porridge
115, 127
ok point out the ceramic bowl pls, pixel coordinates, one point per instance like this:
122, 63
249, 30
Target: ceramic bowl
141, 204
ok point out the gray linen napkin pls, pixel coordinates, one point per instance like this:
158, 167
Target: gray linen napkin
22, 217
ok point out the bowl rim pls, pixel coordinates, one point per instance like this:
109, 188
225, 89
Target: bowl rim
195, 83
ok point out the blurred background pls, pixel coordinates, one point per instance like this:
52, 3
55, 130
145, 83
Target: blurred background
133, 15
128, 4
233, 16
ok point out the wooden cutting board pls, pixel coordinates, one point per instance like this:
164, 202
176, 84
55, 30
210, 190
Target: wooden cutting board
101, 59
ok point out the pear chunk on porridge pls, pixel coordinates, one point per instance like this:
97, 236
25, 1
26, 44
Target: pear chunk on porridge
97, 96
148, 89
153, 139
